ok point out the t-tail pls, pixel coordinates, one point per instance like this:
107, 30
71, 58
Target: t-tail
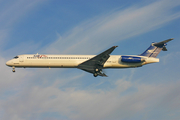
155, 49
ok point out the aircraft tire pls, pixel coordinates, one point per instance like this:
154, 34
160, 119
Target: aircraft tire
95, 74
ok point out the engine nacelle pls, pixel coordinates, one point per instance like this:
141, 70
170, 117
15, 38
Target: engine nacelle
131, 59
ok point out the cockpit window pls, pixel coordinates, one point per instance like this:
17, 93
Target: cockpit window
16, 57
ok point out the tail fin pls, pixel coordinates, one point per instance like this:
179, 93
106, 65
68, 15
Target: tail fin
155, 49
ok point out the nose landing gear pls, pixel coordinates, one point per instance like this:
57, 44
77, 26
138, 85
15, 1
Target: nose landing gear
13, 69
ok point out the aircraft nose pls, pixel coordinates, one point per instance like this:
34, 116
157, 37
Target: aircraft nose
9, 63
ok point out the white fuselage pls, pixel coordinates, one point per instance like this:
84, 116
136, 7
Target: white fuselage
72, 61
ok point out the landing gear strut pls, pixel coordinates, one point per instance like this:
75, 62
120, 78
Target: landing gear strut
13, 69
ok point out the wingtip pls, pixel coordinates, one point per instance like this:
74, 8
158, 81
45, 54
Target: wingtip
170, 39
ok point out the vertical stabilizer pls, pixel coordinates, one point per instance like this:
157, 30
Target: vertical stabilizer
155, 49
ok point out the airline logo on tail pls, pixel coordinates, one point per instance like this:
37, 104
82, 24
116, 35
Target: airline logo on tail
151, 51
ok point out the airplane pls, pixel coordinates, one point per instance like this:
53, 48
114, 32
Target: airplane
90, 63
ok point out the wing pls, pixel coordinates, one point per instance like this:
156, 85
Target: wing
95, 64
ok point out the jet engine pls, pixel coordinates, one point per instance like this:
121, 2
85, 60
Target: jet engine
131, 59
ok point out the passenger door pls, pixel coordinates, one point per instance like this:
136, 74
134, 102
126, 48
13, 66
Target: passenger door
21, 58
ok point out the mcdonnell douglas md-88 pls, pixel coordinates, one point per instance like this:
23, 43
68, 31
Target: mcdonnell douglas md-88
90, 63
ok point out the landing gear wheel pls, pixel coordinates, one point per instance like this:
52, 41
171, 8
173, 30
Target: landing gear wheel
95, 74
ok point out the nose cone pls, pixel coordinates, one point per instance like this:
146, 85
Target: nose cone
9, 63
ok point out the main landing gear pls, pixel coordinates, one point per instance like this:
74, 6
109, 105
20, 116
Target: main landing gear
96, 72
13, 69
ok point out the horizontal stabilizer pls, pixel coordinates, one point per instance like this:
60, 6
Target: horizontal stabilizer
161, 44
